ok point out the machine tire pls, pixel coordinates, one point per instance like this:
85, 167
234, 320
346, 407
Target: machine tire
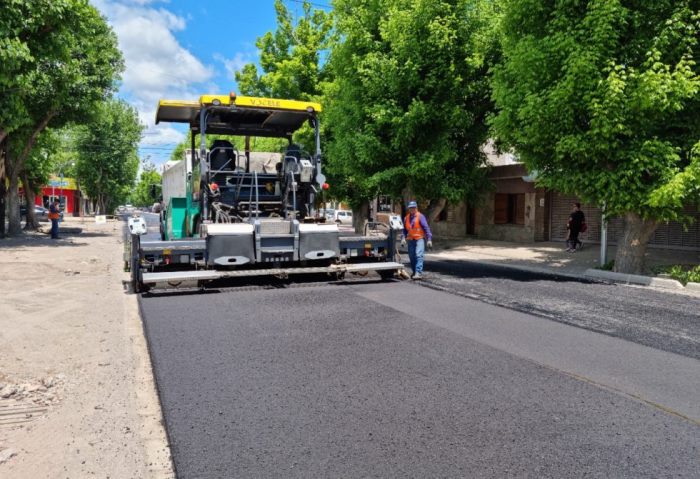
386, 274
135, 266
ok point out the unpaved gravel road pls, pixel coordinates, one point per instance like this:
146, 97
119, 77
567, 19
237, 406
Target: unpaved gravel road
77, 397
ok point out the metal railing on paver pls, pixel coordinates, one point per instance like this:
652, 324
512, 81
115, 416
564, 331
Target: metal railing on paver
210, 275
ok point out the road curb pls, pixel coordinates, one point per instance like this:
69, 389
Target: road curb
662, 283
695, 287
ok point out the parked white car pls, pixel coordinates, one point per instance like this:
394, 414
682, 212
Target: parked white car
343, 217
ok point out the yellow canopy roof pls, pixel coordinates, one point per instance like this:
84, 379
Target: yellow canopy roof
243, 115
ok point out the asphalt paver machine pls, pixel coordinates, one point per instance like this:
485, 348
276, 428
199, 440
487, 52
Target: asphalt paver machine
223, 218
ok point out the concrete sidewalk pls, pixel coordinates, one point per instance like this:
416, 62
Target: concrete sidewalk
548, 257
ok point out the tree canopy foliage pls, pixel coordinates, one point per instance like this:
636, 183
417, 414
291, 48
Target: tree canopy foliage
108, 154
60, 59
291, 57
40, 163
147, 190
264, 144
601, 99
407, 110
292, 61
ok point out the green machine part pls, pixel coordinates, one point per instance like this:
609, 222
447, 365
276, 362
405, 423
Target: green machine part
176, 219
181, 218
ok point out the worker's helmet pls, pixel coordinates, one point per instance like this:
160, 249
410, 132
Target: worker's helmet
412, 204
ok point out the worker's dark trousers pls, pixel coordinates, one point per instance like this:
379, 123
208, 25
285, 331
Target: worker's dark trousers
573, 239
54, 229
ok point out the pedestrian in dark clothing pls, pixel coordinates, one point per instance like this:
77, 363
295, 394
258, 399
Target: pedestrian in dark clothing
54, 216
574, 225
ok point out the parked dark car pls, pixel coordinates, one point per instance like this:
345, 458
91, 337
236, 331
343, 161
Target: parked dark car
41, 213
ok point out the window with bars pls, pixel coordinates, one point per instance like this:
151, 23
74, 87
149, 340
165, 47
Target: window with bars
509, 209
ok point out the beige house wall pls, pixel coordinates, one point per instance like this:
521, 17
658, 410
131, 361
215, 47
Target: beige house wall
486, 229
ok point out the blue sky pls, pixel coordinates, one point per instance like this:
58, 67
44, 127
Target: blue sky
180, 49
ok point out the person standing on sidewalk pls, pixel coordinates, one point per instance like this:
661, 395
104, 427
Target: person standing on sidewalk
576, 220
54, 216
416, 231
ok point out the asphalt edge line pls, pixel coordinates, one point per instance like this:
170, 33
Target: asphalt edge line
151, 402
592, 275
152, 360
621, 392
427, 283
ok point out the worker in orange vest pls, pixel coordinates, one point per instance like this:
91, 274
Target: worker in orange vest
416, 231
54, 216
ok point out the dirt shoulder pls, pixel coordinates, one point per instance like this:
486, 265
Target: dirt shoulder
77, 397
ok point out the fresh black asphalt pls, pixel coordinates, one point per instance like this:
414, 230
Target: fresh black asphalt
659, 319
321, 381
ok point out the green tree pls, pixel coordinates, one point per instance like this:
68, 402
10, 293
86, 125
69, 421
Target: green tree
147, 191
263, 144
407, 110
291, 56
27, 35
65, 61
292, 61
600, 97
43, 160
108, 154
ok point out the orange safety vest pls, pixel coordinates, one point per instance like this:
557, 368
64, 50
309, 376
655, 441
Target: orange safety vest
415, 230
53, 216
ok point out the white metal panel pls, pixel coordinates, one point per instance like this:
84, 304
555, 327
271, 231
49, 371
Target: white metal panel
317, 228
216, 229
172, 277
174, 180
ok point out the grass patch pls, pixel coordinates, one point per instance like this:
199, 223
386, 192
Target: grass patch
608, 266
684, 273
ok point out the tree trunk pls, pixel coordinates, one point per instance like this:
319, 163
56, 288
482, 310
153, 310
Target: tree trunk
12, 194
38, 128
3, 202
14, 165
3, 135
3, 188
360, 216
29, 196
435, 208
633, 244
406, 196
13, 217
100, 205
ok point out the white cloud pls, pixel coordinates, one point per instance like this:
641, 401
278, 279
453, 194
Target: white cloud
157, 65
232, 65
165, 135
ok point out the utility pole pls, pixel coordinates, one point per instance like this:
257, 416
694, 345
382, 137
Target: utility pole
603, 237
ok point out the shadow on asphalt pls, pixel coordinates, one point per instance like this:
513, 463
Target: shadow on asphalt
475, 270
266, 283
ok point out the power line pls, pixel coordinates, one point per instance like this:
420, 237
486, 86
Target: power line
315, 4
